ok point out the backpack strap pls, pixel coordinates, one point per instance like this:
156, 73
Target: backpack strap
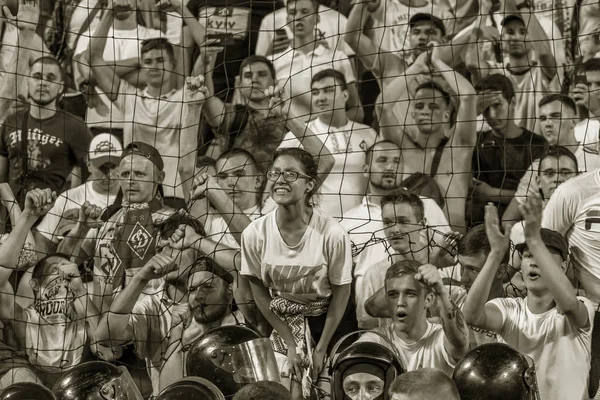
435, 164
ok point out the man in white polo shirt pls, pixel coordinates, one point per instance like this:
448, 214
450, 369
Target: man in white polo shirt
306, 56
160, 115
347, 140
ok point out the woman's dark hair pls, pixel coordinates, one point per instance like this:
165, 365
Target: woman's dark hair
310, 166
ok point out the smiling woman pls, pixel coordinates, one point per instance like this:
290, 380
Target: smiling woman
311, 287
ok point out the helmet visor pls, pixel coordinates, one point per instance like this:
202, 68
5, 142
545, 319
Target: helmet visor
121, 388
531, 380
254, 361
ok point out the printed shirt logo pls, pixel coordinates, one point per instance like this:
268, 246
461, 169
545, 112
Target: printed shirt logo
139, 240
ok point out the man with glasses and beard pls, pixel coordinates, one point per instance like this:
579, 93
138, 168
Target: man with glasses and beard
198, 297
41, 146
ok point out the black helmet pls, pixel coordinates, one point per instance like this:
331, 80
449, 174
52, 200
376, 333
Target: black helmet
26, 391
96, 380
370, 354
191, 388
210, 357
496, 371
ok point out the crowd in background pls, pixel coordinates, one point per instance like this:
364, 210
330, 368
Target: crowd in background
176, 176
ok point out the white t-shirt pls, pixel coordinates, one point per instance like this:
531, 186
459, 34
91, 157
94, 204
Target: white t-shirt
574, 211
330, 28
294, 71
63, 215
427, 352
561, 352
150, 321
302, 273
120, 45
159, 122
346, 184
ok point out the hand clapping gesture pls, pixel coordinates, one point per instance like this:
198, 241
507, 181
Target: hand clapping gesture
532, 214
499, 242
27, 16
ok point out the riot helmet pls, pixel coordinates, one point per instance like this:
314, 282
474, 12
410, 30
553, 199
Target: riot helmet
26, 391
496, 371
191, 388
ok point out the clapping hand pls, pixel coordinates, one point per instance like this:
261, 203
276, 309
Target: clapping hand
27, 16
532, 214
499, 242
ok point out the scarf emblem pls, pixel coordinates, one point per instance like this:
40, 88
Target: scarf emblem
139, 240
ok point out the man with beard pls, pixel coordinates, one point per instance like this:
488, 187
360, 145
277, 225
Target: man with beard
41, 146
383, 169
55, 329
437, 136
197, 297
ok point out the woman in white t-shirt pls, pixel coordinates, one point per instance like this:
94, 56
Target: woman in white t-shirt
299, 264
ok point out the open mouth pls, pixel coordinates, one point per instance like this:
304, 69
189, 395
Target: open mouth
281, 190
401, 315
533, 275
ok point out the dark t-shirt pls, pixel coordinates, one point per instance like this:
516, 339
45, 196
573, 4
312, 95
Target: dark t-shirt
54, 146
239, 20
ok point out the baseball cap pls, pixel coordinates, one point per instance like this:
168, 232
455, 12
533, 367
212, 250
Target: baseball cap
429, 18
553, 240
105, 148
144, 150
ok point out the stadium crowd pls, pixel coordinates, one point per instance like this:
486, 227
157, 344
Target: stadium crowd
301, 199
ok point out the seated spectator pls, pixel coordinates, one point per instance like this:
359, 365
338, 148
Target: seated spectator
436, 136
347, 140
530, 65
410, 289
235, 24
274, 35
159, 115
424, 384
264, 390
559, 342
558, 123
296, 65
197, 296
56, 141
249, 125
100, 189
505, 152
383, 169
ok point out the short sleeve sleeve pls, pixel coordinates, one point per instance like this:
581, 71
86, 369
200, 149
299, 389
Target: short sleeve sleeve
340, 256
80, 141
251, 252
527, 185
506, 308
289, 141
591, 310
559, 213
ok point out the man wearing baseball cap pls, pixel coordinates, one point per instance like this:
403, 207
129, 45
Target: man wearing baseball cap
100, 189
551, 325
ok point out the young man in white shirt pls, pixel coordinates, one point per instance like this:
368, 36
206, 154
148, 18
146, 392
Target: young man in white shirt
558, 118
100, 189
347, 140
551, 325
411, 288
161, 115
295, 66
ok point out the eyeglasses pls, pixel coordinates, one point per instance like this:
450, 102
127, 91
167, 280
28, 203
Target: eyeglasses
551, 173
288, 176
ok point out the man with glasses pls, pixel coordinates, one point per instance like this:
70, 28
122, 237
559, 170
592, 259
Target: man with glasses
558, 119
160, 115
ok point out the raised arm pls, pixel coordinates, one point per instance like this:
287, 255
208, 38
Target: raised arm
553, 275
194, 27
475, 309
88, 218
537, 36
114, 328
12, 79
303, 133
106, 77
456, 334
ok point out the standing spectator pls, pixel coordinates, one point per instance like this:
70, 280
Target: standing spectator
296, 65
41, 146
531, 66
249, 125
159, 115
236, 25
100, 189
274, 34
437, 135
551, 325
347, 140
299, 265
505, 152
558, 123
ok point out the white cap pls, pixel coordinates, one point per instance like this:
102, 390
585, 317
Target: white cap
105, 148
